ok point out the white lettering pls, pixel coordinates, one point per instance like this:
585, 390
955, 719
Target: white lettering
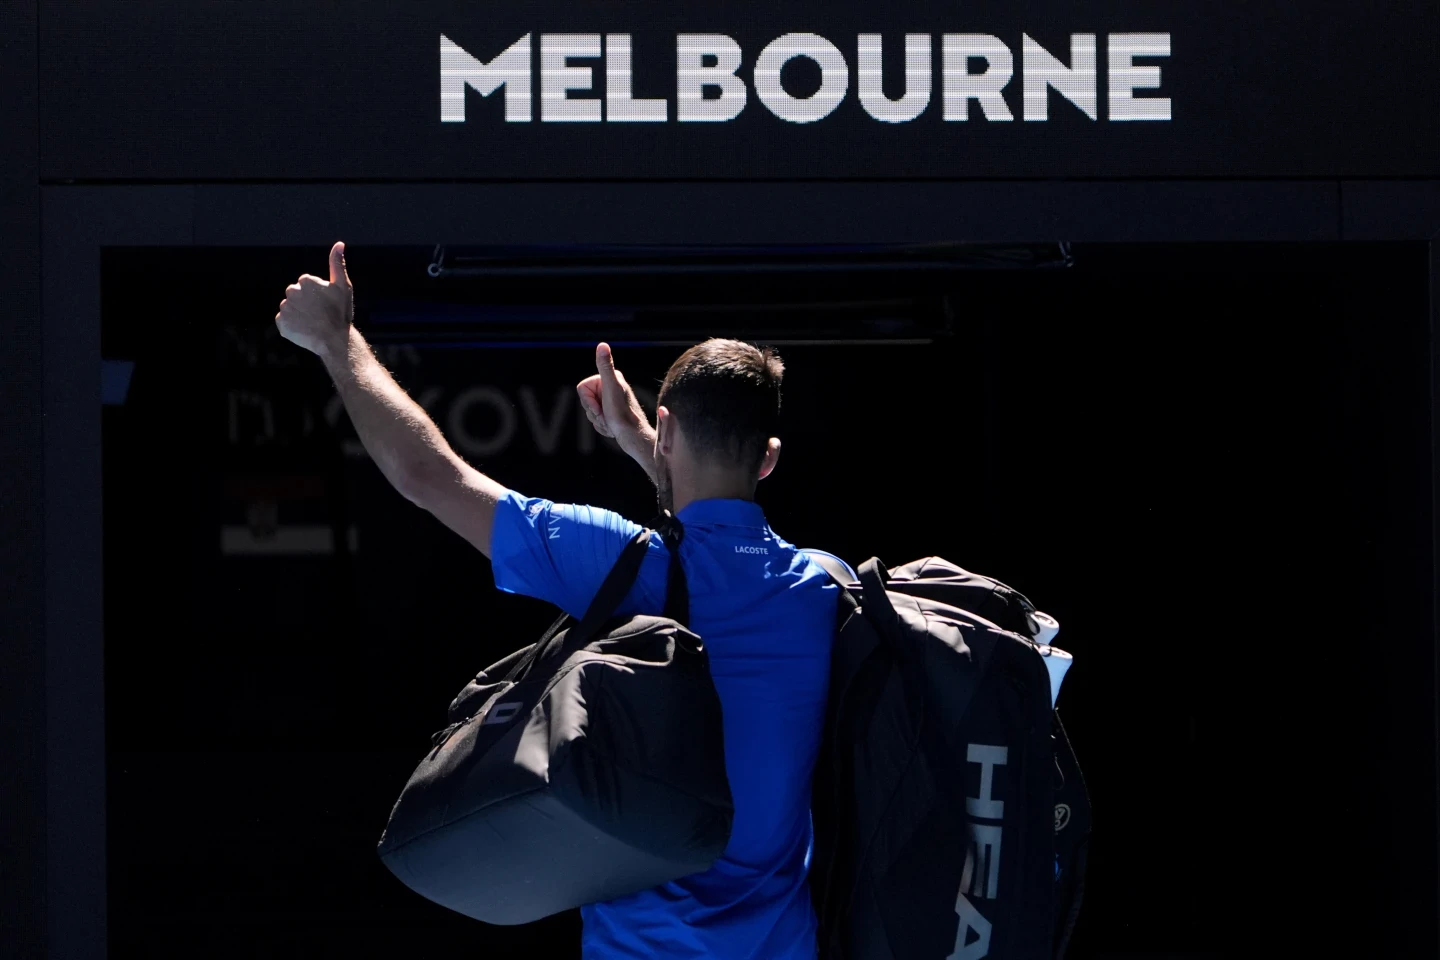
459, 428
241, 400
989, 758
547, 422
975, 67
547, 434
870, 74
962, 86
694, 77
620, 107
834, 77
764, 550
1075, 83
1126, 77
981, 874
558, 78
970, 920
511, 70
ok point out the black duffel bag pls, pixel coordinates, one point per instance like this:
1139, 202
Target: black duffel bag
583, 768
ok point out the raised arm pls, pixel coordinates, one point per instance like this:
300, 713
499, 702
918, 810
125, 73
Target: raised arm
396, 431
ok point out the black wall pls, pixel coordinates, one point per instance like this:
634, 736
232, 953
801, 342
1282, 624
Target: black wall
22, 519
1209, 462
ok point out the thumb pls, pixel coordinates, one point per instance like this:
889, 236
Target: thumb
337, 265
605, 364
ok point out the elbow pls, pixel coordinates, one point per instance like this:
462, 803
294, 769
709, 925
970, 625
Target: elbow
418, 482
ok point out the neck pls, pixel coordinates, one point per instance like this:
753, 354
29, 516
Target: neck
711, 484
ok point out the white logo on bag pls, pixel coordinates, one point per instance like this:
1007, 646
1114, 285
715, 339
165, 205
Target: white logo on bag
980, 877
501, 713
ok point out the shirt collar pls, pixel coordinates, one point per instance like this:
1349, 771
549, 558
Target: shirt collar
735, 513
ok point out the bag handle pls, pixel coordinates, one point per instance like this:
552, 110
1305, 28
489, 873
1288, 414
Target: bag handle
873, 579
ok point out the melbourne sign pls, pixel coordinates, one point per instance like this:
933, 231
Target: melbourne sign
587, 78
762, 90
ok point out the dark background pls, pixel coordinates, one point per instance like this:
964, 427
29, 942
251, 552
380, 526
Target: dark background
1208, 462
325, 90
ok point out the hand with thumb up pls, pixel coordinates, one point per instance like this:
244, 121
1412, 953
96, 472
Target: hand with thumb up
315, 313
612, 407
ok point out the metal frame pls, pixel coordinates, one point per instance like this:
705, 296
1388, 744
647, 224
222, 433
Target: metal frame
78, 221
1435, 530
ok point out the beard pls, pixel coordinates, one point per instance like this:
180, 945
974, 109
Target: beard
664, 493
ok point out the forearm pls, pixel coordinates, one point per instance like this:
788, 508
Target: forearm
640, 447
396, 431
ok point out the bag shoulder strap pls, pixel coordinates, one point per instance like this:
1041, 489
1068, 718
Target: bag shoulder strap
612, 592
677, 592
614, 588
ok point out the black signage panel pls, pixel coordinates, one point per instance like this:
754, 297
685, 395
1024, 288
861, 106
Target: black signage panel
437, 89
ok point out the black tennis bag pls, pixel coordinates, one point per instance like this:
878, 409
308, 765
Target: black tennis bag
583, 768
951, 820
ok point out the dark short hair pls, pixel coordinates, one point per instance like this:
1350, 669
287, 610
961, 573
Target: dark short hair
726, 395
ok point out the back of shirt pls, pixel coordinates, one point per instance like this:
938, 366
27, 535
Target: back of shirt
766, 614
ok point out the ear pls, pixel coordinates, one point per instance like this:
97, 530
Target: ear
664, 431
772, 456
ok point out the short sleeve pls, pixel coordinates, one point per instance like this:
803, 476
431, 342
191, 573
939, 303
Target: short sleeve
560, 552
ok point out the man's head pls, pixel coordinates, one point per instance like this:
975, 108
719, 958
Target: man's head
719, 410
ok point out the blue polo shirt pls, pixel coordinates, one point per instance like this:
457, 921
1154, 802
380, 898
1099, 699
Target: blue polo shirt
767, 616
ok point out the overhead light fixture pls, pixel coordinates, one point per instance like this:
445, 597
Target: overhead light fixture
777, 295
